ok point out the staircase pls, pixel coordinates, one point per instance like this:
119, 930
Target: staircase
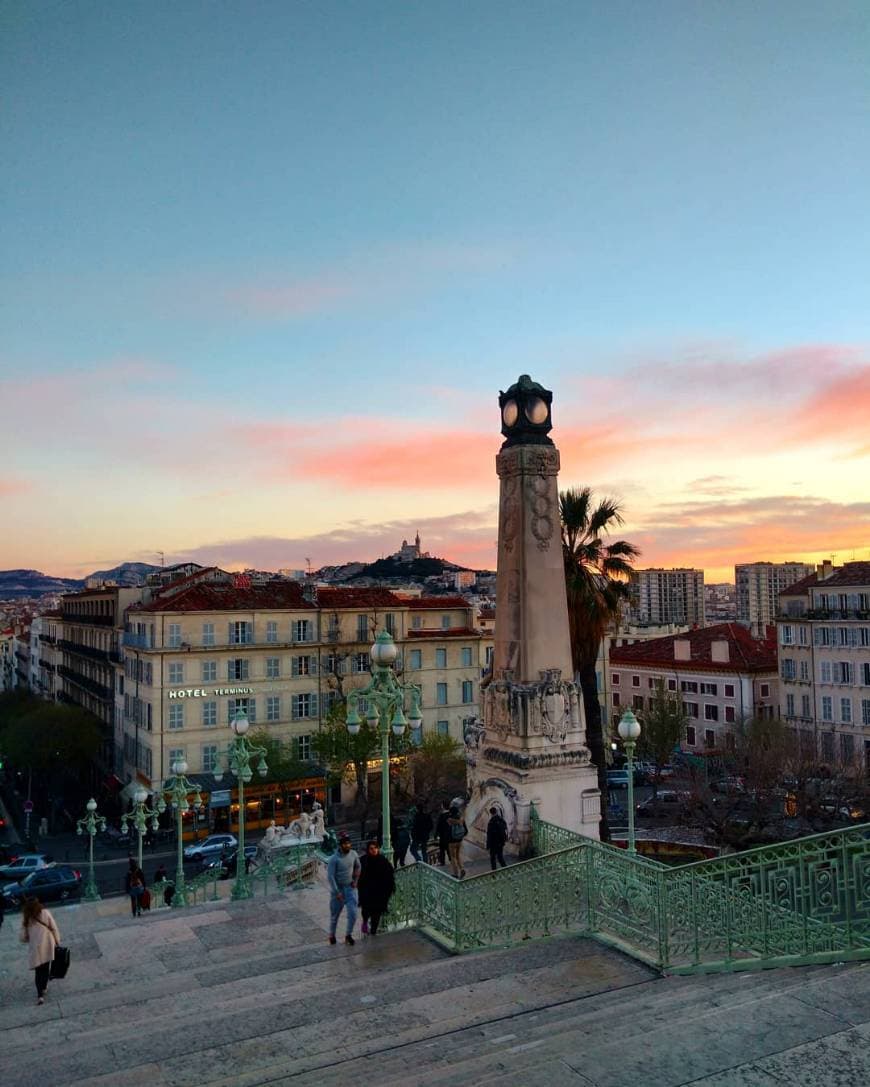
245, 994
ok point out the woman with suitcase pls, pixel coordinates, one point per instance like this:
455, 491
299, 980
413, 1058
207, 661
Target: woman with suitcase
40, 932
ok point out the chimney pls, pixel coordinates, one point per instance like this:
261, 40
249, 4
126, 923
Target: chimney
824, 570
719, 651
682, 649
309, 591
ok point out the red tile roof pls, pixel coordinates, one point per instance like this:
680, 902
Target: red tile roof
799, 588
220, 596
339, 597
745, 653
431, 602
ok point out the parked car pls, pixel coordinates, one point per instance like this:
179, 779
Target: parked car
665, 805
23, 865
227, 862
57, 883
729, 785
617, 779
119, 838
212, 846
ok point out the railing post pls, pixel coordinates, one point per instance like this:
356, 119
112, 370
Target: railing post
664, 919
591, 917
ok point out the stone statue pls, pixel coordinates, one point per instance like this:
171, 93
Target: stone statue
318, 828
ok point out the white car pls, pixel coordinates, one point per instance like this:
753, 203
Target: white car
23, 865
212, 846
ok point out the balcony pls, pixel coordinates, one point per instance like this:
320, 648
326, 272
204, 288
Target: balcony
98, 690
134, 641
70, 618
89, 652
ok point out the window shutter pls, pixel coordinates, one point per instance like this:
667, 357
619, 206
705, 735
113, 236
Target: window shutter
314, 705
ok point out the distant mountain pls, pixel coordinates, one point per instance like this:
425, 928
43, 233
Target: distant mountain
417, 568
19, 584
128, 573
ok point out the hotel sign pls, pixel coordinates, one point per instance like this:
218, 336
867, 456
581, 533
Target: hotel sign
201, 692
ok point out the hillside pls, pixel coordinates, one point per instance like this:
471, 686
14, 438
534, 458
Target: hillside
19, 584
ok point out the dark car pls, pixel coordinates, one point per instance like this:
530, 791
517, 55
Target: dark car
56, 883
666, 805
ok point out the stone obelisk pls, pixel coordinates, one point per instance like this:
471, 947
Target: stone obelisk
530, 744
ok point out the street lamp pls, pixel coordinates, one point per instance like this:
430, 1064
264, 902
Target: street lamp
140, 815
89, 825
238, 758
629, 730
177, 789
385, 698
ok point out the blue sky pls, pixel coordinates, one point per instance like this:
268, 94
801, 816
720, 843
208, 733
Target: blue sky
245, 217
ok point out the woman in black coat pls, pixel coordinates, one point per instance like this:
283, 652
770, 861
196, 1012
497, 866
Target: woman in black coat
377, 882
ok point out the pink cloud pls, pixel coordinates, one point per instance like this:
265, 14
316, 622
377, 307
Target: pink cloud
10, 487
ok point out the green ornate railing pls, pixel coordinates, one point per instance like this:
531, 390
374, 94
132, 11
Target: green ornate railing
797, 902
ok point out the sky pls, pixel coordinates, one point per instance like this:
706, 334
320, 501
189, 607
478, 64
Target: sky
265, 267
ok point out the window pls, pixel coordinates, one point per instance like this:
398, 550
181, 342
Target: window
445, 622
390, 623
843, 672
467, 691
846, 711
847, 747
614, 679
803, 639
209, 758
827, 747
174, 639
690, 709
635, 681
303, 666
208, 633
765, 690
865, 675
826, 671
689, 685
789, 705
788, 635
303, 706
302, 630
209, 714
709, 737
237, 669
440, 658
273, 707
614, 698
273, 667
466, 657
710, 688
442, 728
637, 702
690, 735
651, 683
241, 633
176, 754
805, 671
359, 662
788, 670
672, 684
209, 671
247, 706
827, 708
176, 673
271, 632
415, 659
176, 715
441, 694
805, 706
303, 748
362, 628
417, 622
843, 636
729, 690
865, 711
711, 713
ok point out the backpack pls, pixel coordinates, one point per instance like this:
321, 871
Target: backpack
457, 831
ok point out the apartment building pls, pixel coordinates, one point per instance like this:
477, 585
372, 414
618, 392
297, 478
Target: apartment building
759, 585
823, 631
668, 596
722, 674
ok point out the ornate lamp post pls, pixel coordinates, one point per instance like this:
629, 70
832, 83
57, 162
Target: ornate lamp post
89, 825
140, 815
238, 758
385, 697
629, 730
177, 789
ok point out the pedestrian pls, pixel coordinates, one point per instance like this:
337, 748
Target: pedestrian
458, 830
136, 890
421, 829
442, 832
496, 836
39, 931
401, 841
128, 883
377, 882
160, 874
342, 874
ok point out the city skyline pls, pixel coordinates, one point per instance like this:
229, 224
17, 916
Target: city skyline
266, 272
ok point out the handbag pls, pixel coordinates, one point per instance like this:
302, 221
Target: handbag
60, 962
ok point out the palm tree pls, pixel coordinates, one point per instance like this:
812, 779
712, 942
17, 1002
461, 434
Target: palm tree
596, 579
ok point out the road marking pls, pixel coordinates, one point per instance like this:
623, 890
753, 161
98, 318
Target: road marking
502, 1038
526, 1045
